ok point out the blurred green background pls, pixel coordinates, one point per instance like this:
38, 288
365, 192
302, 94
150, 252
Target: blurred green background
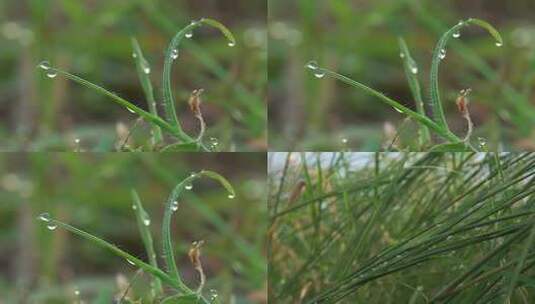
358, 38
92, 39
92, 192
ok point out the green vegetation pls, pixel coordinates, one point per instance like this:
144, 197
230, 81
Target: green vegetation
402, 228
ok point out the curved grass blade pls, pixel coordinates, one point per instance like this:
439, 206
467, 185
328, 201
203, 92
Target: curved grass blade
128, 105
445, 133
523, 256
146, 237
171, 207
137, 262
170, 54
141, 65
411, 72
439, 52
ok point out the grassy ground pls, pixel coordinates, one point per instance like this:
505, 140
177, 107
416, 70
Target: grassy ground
402, 228
359, 39
93, 192
93, 40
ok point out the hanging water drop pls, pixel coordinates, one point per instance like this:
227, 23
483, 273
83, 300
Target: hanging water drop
319, 74
189, 35
174, 206
401, 55
51, 73
134, 207
313, 65
188, 187
51, 226
45, 217
174, 54
232, 44
45, 65
130, 262
134, 55
231, 196
499, 44
442, 54
146, 221
456, 34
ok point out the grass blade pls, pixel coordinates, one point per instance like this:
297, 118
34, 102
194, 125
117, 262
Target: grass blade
172, 206
443, 132
411, 72
438, 56
523, 256
170, 54
141, 65
146, 237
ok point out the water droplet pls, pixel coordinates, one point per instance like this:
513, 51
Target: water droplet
130, 262
189, 35
193, 174
420, 288
51, 73
319, 74
146, 70
174, 54
131, 111
45, 217
214, 142
213, 295
313, 65
76, 292
398, 110
188, 187
414, 70
174, 206
232, 44
134, 55
231, 196
449, 237
146, 221
45, 65
499, 44
77, 140
344, 141
456, 34
51, 226
401, 55
134, 207
442, 54
482, 142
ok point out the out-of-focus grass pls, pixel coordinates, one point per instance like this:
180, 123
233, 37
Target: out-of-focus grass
93, 191
359, 39
93, 41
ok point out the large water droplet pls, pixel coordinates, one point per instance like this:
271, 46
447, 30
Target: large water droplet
45, 217
442, 54
188, 187
51, 73
232, 44
499, 44
174, 54
45, 65
189, 35
319, 74
231, 196
174, 206
51, 226
313, 65
456, 34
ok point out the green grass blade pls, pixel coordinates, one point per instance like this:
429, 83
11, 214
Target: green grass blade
445, 133
141, 64
169, 101
137, 262
146, 237
523, 256
126, 104
411, 72
435, 102
172, 206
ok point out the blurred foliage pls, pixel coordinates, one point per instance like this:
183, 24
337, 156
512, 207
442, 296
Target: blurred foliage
92, 192
92, 39
358, 38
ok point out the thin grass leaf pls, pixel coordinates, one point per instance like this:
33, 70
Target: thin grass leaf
170, 56
146, 237
126, 104
439, 130
171, 206
438, 56
137, 262
411, 72
141, 65
530, 241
